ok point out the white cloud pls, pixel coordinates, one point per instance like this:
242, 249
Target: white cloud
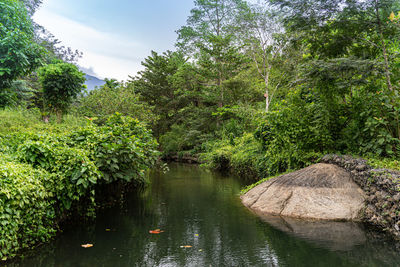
110, 67
89, 71
109, 55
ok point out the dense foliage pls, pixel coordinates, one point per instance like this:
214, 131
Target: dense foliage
115, 97
19, 53
50, 172
268, 87
61, 83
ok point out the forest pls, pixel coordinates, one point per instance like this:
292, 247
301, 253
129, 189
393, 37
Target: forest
253, 88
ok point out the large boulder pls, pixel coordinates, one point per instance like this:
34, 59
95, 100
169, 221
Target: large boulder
321, 192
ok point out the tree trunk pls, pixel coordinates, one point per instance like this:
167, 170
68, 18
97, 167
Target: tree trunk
221, 90
266, 81
266, 101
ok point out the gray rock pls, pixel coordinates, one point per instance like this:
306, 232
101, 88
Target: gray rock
321, 191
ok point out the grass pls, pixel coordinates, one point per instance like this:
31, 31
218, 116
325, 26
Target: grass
21, 120
249, 187
384, 163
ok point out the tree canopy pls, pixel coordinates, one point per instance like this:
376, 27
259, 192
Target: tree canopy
61, 83
20, 54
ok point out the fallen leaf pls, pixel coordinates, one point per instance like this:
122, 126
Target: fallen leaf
87, 245
157, 231
186, 246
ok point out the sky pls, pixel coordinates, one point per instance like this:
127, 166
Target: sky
114, 36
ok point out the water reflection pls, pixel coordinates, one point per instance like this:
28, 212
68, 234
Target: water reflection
332, 235
201, 209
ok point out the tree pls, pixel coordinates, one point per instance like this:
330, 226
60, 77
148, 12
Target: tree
337, 28
115, 97
260, 32
61, 83
19, 52
155, 86
349, 68
47, 40
209, 37
52, 45
32, 5
208, 18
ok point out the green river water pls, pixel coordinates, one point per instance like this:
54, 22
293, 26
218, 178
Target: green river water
201, 209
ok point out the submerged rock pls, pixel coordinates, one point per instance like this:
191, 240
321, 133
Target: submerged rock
321, 192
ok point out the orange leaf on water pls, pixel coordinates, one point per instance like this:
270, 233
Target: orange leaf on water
157, 231
87, 245
186, 246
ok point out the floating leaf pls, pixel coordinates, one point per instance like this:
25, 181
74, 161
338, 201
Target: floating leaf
186, 246
87, 245
157, 231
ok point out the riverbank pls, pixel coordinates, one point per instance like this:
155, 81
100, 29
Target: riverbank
54, 173
182, 158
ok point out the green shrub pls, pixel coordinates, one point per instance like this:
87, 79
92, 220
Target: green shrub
26, 213
122, 149
296, 132
246, 155
387, 163
218, 155
274, 161
242, 156
373, 126
61, 83
50, 172
179, 139
74, 174
115, 97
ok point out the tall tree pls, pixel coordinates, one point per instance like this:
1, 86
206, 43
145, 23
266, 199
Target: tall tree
155, 86
209, 36
19, 53
339, 28
260, 32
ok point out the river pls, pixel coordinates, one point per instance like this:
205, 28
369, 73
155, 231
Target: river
204, 224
